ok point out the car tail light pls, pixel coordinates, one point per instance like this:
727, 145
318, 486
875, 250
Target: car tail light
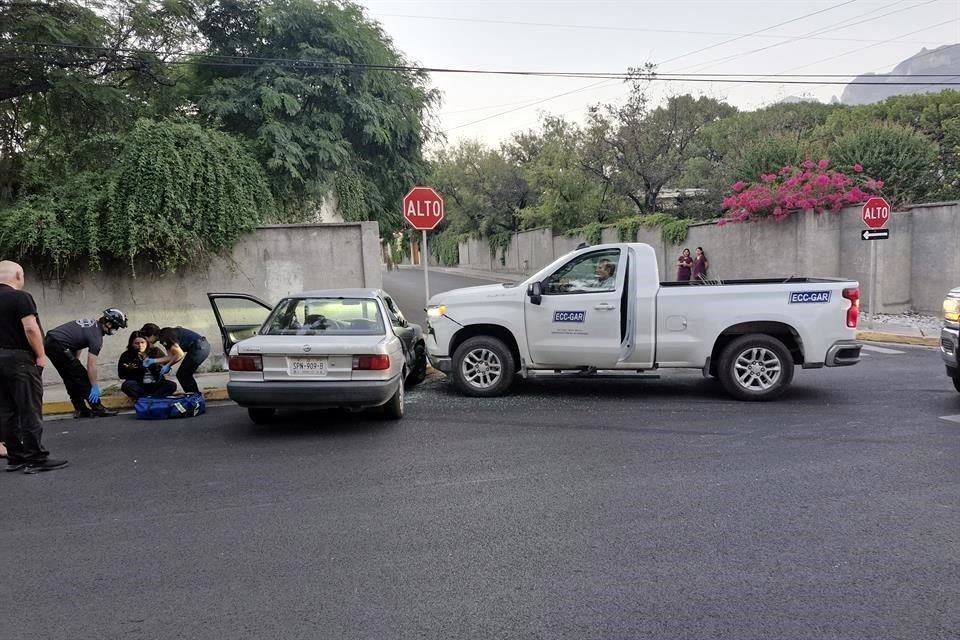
371, 363
853, 313
246, 363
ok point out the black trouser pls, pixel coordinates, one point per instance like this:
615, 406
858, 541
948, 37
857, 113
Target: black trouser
136, 389
74, 374
191, 362
21, 406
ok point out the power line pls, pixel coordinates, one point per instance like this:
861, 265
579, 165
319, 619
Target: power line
753, 33
854, 20
587, 27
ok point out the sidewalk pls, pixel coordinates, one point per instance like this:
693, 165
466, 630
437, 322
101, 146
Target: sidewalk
56, 401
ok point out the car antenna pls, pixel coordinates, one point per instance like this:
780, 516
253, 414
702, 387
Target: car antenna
583, 245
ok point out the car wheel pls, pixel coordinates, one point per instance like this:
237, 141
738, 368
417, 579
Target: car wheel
755, 367
483, 367
419, 371
260, 415
393, 410
956, 383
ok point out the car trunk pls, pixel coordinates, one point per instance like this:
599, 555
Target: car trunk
310, 357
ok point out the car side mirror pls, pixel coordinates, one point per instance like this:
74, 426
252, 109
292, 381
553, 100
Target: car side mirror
535, 292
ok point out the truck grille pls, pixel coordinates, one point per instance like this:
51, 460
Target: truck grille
946, 344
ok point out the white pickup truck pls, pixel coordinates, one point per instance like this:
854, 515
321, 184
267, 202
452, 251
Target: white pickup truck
604, 308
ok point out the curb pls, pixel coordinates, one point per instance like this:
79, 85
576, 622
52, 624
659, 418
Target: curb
895, 338
121, 402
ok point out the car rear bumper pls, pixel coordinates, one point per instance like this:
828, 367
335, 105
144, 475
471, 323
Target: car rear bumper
949, 342
844, 353
365, 393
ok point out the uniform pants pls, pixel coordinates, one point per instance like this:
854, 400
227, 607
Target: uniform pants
191, 362
74, 374
21, 406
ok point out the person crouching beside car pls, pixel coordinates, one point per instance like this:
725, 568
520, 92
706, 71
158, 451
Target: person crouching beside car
140, 380
186, 347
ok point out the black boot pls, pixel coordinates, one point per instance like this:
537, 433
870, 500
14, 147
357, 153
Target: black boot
100, 411
80, 410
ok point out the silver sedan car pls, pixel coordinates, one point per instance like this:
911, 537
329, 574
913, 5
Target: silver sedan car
349, 348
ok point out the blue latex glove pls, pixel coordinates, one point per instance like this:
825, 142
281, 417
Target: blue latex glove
165, 370
149, 362
94, 396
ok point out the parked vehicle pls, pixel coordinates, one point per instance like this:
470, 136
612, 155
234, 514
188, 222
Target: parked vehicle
348, 348
950, 336
604, 308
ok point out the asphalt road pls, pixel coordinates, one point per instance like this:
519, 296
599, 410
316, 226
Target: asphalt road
578, 508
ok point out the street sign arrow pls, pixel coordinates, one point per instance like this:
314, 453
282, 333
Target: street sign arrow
875, 234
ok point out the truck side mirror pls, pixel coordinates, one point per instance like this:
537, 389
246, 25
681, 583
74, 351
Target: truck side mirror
535, 292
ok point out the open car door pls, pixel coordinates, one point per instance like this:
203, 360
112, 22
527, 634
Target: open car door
239, 316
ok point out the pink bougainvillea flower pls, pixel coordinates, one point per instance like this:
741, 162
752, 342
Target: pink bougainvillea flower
879, 184
807, 164
822, 181
738, 186
768, 177
721, 222
858, 168
823, 164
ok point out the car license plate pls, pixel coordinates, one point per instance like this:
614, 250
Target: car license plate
315, 367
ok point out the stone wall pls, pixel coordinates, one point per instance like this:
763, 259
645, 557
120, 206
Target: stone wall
916, 266
270, 263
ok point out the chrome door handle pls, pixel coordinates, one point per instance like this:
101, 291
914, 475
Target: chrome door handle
604, 306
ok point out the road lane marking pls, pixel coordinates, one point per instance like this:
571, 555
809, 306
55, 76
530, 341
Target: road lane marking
884, 350
951, 418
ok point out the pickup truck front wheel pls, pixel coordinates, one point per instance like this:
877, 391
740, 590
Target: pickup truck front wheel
755, 367
483, 367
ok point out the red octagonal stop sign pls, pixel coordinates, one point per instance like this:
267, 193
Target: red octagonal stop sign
875, 213
423, 208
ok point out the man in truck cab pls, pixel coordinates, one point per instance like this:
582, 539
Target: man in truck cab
605, 276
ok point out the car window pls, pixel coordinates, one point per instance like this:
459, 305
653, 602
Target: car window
325, 316
590, 273
395, 316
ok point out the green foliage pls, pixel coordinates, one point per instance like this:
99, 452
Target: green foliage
672, 228
904, 160
592, 233
675, 231
313, 128
445, 247
175, 194
767, 156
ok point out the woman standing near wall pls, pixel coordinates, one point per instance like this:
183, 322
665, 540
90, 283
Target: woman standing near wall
684, 264
700, 265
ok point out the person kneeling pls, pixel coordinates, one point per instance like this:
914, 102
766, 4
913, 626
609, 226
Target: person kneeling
140, 380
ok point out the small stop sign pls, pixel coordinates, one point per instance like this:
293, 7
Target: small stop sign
423, 208
875, 213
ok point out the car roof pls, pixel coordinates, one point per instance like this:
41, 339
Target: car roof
339, 293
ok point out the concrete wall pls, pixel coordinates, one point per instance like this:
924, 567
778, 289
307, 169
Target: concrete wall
916, 266
270, 263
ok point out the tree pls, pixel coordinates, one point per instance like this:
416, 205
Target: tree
328, 121
650, 149
904, 160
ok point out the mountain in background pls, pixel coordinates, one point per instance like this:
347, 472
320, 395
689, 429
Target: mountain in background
942, 63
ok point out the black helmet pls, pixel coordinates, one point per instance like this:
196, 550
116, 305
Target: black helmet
115, 317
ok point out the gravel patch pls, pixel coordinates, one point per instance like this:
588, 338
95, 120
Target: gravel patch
925, 324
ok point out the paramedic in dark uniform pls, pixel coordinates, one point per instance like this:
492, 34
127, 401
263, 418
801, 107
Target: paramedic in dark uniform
63, 346
187, 347
22, 360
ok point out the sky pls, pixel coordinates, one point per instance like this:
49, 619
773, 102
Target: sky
843, 37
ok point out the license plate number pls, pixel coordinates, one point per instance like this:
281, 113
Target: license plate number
307, 366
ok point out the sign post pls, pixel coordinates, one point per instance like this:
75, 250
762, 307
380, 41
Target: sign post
423, 210
875, 214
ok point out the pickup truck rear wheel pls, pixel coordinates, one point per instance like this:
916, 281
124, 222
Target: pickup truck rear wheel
755, 367
483, 367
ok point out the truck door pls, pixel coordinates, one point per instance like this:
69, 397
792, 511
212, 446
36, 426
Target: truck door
578, 320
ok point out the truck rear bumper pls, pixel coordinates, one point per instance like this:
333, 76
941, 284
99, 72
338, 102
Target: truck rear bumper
844, 353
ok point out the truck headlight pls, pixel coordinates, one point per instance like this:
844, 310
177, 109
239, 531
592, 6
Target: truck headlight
951, 309
436, 311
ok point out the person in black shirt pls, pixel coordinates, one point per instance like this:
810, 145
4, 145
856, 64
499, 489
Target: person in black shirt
65, 342
22, 359
139, 380
184, 346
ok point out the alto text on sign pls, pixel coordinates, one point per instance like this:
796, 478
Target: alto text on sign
875, 213
423, 208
